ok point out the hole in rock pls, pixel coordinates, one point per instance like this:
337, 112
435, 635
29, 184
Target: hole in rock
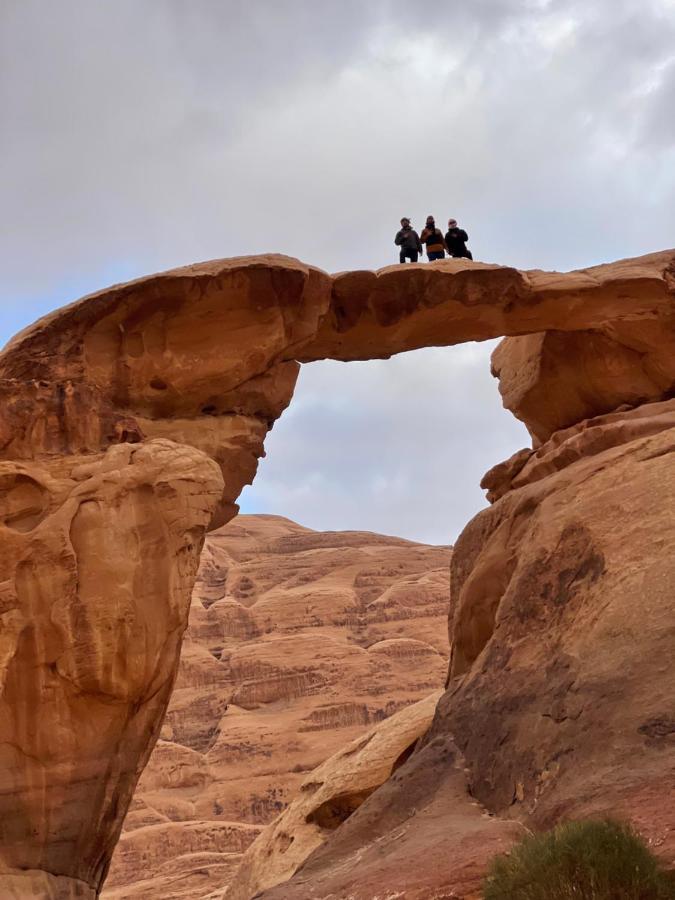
404, 756
23, 502
284, 841
158, 384
337, 810
395, 446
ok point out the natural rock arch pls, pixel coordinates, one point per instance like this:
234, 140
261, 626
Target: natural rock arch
131, 420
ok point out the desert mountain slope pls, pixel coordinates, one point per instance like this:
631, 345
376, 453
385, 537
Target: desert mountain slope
298, 642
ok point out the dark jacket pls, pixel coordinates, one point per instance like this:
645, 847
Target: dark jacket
408, 240
456, 239
433, 238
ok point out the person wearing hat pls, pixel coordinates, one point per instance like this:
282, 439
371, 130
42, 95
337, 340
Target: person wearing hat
455, 240
409, 242
433, 238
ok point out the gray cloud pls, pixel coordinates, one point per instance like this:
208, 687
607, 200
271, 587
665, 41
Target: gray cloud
138, 137
395, 446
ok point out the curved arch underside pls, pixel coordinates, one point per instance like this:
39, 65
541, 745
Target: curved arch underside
131, 420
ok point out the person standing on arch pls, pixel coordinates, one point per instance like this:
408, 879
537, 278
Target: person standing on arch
456, 239
409, 242
433, 238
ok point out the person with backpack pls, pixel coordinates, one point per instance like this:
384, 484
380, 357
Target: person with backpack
455, 241
433, 238
409, 242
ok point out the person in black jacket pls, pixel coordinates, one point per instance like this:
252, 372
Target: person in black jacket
409, 242
456, 239
433, 238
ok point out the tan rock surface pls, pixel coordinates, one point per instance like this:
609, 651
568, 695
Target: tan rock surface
377, 314
298, 642
555, 379
97, 573
103, 521
206, 356
328, 796
560, 702
421, 836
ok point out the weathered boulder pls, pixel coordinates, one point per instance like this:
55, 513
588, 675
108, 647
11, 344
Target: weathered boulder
328, 796
555, 379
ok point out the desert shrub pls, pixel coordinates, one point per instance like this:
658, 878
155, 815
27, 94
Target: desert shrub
589, 860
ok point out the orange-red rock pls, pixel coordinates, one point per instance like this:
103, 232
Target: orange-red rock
555, 379
376, 314
97, 574
112, 413
328, 796
559, 703
298, 642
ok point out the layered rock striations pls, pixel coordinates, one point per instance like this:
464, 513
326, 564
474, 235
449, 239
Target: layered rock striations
559, 695
298, 641
130, 421
329, 796
558, 703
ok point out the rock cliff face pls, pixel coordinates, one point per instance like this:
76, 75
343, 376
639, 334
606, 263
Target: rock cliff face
129, 423
559, 701
298, 641
98, 570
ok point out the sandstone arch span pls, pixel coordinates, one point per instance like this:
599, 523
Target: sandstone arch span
129, 423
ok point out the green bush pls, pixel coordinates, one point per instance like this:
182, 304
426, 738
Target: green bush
590, 860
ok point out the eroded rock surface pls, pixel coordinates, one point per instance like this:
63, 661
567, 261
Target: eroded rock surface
328, 796
101, 401
564, 630
298, 642
555, 379
559, 703
97, 571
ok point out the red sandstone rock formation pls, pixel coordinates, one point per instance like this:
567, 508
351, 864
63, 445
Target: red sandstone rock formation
559, 699
98, 568
328, 796
298, 641
113, 411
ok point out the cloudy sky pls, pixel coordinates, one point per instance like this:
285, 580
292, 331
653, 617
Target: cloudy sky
137, 136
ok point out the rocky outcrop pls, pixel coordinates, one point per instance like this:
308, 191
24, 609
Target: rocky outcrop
129, 423
196, 355
420, 836
206, 354
559, 702
555, 379
565, 585
98, 569
117, 413
340, 630
377, 314
328, 796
